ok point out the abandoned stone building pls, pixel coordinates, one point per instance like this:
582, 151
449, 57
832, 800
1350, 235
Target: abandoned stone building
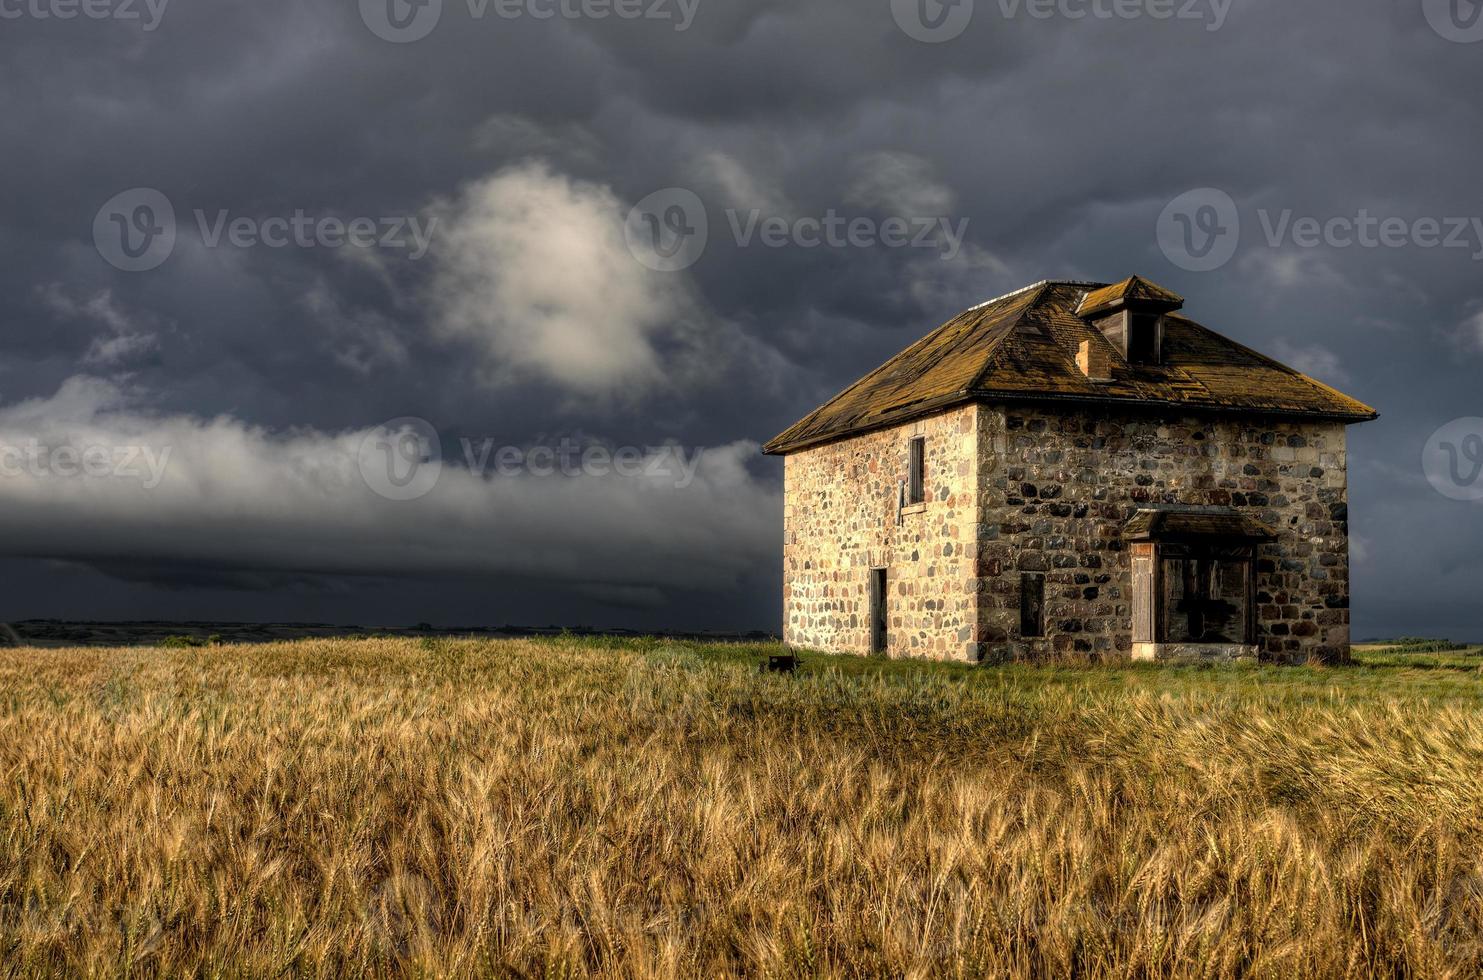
1072, 469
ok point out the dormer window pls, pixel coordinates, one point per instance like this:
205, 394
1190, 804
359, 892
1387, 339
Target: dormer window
1131, 316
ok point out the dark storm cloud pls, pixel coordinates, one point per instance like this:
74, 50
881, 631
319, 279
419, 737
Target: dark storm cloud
1060, 141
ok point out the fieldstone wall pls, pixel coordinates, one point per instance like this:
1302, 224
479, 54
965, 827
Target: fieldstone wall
841, 519
1019, 488
1059, 484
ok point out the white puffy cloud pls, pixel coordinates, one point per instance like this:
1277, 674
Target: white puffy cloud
532, 270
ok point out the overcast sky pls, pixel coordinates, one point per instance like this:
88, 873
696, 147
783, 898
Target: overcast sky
263, 258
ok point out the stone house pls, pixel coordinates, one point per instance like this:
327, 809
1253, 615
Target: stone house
1072, 469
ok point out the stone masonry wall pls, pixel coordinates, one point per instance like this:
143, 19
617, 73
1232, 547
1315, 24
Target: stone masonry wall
1059, 484
1014, 489
840, 521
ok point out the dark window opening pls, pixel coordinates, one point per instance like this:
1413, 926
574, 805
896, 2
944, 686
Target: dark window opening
916, 483
1194, 576
877, 611
1206, 599
1143, 339
1032, 605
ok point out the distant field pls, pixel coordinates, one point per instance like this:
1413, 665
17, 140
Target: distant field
641, 808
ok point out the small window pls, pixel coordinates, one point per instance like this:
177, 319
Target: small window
916, 483
1032, 605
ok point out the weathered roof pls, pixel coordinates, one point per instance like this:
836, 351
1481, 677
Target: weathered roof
1023, 347
1164, 525
1135, 290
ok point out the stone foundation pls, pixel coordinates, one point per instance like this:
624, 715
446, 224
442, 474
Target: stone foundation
1194, 652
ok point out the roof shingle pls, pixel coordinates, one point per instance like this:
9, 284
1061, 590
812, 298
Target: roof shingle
1131, 291
1023, 346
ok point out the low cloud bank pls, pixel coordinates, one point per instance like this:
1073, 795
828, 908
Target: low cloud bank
90, 477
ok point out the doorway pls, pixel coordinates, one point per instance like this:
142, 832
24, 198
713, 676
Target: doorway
878, 612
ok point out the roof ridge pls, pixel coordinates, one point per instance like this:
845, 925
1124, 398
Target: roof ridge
973, 314
1035, 285
1009, 329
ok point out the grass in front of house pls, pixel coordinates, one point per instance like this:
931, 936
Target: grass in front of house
651, 808
1380, 672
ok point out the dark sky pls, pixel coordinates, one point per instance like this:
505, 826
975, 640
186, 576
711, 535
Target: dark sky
504, 291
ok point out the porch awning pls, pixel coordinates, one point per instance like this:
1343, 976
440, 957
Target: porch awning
1213, 525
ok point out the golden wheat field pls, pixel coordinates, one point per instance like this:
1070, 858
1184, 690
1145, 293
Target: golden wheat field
566, 808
